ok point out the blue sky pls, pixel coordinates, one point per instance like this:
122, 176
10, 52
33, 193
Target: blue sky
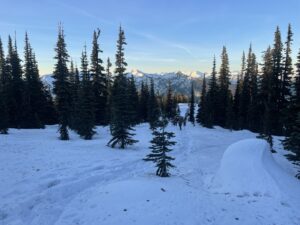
162, 35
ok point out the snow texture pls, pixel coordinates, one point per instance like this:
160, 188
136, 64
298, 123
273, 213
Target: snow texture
45, 181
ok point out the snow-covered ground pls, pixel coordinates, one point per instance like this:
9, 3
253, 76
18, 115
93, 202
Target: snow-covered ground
45, 181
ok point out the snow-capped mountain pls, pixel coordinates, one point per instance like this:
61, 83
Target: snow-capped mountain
180, 81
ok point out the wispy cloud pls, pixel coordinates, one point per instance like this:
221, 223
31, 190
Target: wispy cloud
166, 43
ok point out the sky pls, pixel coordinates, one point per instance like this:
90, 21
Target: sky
162, 35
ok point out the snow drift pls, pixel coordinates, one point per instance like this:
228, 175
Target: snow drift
248, 168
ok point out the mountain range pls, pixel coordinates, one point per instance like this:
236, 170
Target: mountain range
180, 81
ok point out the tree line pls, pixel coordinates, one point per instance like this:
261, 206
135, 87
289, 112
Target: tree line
266, 99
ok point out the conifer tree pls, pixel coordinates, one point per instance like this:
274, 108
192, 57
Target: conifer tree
224, 82
15, 92
109, 84
276, 123
265, 97
204, 116
86, 121
120, 124
286, 85
253, 123
62, 85
161, 144
192, 105
34, 90
229, 113
133, 107
153, 108
4, 118
143, 102
212, 97
74, 91
237, 95
170, 110
246, 92
99, 81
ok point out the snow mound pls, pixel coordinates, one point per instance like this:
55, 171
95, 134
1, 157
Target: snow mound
248, 168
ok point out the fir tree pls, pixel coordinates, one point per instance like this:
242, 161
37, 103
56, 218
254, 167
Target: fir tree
109, 84
143, 102
286, 84
265, 98
170, 106
276, 123
153, 107
192, 105
15, 91
224, 82
237, 95
99, 82
204, 115
86, 120
161, 144
62, 85
212, 97
34, 90
4, 118
229, 113
74, 91
134, 101
120, 125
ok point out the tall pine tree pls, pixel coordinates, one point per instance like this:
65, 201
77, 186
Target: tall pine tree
61, 83
121, 124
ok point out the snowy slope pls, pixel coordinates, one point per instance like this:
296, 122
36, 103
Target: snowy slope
45, 181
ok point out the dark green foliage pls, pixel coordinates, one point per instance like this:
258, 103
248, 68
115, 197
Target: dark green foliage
85, 121
133, 107
121, 120
212, 98
143, 103
223, 94
74, 91
99, 82
170, 104
153, 107
62, 85
192, 105
229, 113
4, 117
204, 116
161, 144
109, 83
15, 85
34, 101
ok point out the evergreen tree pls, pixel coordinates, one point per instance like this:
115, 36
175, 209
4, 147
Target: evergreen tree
109, 84
161, 143
170, 106
212, 97
237, 95
99, 82
253, 123
34, 90
192, 105
74, 91
246, 92
286, 85
153, 107
4, 118
265, 95
134, 101
229, 113
120, 125
224, 92
204, 117
15, 91
86, 120
143, 103
62, 85
276, 123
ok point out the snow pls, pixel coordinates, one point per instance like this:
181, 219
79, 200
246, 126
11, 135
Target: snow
45, 181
